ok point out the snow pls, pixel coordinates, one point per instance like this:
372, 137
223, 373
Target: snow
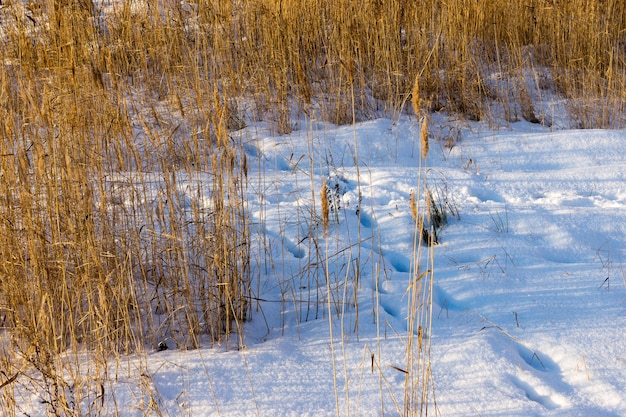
529, 294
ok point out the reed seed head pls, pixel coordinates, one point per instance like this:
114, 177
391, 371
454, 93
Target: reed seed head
416, 101
325, 208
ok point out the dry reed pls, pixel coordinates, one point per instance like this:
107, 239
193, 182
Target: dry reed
109, 109
325, 208
413, 205
424, 138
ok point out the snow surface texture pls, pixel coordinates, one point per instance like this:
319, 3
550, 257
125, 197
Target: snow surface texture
530, 299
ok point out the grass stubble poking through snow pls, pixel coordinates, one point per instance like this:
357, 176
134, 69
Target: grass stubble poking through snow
197, 219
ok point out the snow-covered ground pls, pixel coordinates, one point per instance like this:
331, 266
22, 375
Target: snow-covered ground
529, 295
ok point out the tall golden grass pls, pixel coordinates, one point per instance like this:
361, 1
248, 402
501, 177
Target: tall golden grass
108, 108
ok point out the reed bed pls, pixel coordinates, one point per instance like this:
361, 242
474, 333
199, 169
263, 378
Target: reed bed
111, 109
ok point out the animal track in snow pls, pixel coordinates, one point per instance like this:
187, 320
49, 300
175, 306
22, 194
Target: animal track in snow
292, 247
391, 307
541, 396
399, 262
484, 195
366, 220
445, 301
536, 360
540, 378
296, 251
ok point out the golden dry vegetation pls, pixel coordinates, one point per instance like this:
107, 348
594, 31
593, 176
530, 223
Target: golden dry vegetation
107, 108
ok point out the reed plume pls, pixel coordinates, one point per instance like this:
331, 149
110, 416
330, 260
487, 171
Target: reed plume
416, 101
325, 208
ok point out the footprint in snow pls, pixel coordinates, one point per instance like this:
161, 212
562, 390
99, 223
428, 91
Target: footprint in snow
541, 395
485, 195
366, 220
446, 302
391, 307
294, 248
399, 262
537, 360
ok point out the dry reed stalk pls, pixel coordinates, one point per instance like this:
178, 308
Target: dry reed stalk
429, 203
424, 137
413, 205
